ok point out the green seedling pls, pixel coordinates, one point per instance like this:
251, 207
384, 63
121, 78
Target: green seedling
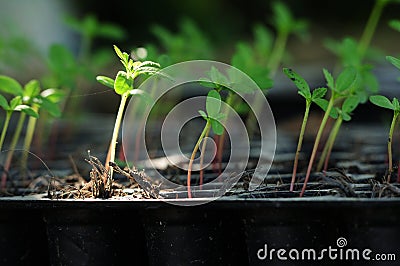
32, 97
339, 89
394, 105
9, 85
315, 96
213, 119
285, 25
189, 43
221, 82
123, 85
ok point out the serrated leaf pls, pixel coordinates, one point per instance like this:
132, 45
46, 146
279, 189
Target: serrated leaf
318, 93
394, 61
122, 83
217, 127
323, 104
109, 82
203, 114
300, 83
10, 85
346, 78
381, 101
213, 103
329, 79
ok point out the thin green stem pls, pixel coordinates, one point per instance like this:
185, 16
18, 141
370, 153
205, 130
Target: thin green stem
389, 145
30, 130
277, 52
114, 138
13, 144
196, 147
5, 127
203, 149
316, 143
370, 27
221, 140
331, 138
334, 133
300, 143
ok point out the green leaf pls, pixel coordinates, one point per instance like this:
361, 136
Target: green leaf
207, 83
27, 110
323, 104
396, 104
143, 95
381, 101
51, 107
109, 82
345, 116
329, 79
15, 102
10, 85
4, 103
203, 114
300, 83
217, 127
350, 104
53, 95
394, 61
122, 83
61, 59
346, 78
213, 103
395, 24
31, 90
318, 93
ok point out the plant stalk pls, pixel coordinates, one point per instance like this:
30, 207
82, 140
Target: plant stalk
370, 27
196, 147
389, 144
10, 152
299, 144
5, 127
316, 143
331, 140
114, 138
203, 150
329, 145
30, 130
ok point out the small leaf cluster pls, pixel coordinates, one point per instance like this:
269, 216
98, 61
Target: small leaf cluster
214, 114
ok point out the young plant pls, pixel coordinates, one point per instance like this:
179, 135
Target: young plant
316, 96
123, 85
285, 25
213, 120
340, 89
394, 105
